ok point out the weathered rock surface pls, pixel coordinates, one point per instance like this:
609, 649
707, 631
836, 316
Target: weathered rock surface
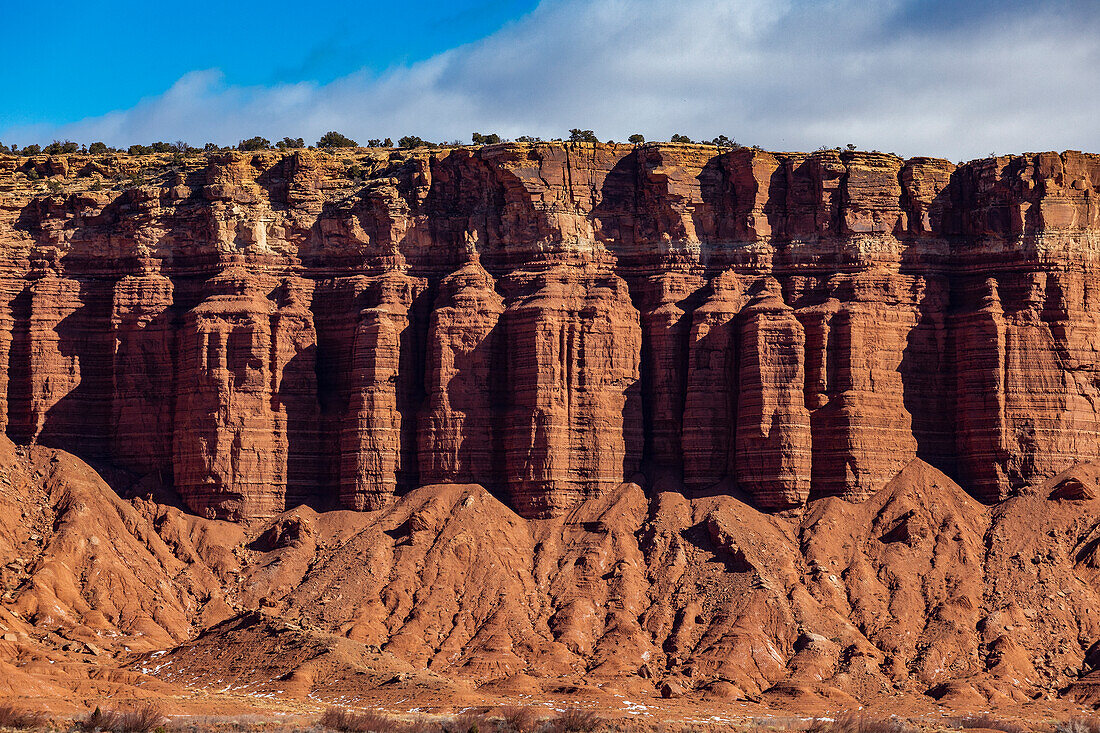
461, 431
259, 331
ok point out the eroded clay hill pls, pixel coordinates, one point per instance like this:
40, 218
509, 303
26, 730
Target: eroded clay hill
916, 598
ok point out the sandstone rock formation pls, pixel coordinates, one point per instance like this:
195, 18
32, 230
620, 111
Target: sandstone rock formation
260, 331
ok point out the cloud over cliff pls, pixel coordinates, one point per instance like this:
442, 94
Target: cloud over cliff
910, 76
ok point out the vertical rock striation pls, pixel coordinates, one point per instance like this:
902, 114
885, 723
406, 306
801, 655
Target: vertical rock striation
773, 424
574, 411
461, 431
377, 442
270, 329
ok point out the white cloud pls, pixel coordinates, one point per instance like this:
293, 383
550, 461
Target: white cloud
912, 76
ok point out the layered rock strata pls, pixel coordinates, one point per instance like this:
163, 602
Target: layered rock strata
263, 330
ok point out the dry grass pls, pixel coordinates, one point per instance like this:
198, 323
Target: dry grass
519, 720
985, 720
1078, 725
857, 723
13, 717
574, 720
141, 720
470, 722
348, 721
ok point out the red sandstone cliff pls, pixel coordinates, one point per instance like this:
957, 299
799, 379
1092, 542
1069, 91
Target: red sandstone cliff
548, 320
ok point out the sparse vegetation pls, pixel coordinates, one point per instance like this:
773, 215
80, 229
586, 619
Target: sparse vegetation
98, 148
158, 147
291, 143
13, 717
526, 720
254, 143
412, 141
1078, 725
333, 139
489, 139
722, 141
636, 138
858, 723
58, 147
348, 721
985, 720
528, 139
468, 722
30, 150
681, 139
574, 720
501, 720
32, 174
141, 720
582, 136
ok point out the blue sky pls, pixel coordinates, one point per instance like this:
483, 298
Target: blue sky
68, 60
934, 77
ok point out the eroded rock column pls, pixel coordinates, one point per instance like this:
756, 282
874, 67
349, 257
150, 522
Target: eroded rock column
144, 338
460, 434
294, 391
666, 328
377, 444
229, 455
574, 424
773, 424
710, 402
863, 433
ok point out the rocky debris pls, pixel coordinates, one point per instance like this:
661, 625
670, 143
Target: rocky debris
1080, 482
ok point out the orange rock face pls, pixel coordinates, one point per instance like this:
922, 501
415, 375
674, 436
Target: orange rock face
550, 320
573, 427
461, 429
235, 382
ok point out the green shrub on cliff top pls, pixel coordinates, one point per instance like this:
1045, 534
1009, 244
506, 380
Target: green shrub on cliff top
333, 139
254, 143
58, 147
412, 141
291, 143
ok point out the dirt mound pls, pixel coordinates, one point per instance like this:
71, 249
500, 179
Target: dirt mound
919, 594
